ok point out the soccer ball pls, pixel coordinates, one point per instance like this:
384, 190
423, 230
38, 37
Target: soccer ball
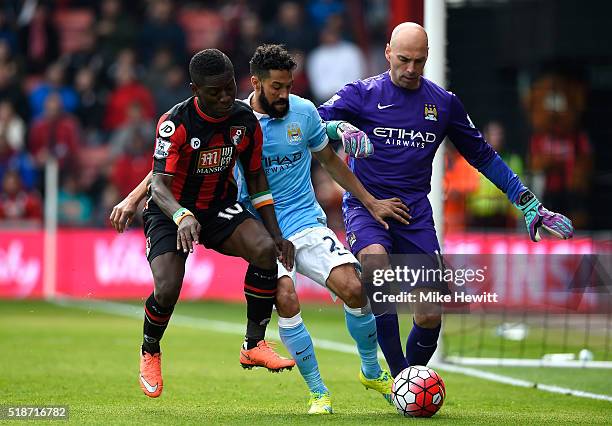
418, 391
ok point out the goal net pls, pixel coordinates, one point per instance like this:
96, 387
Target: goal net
552, 309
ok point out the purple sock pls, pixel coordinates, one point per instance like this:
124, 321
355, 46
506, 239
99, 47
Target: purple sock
387, 329
421, 344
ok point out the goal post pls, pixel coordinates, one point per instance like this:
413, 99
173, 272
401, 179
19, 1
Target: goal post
50, 228
565, 341
434, 17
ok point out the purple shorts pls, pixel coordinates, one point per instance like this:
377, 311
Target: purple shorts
362, 230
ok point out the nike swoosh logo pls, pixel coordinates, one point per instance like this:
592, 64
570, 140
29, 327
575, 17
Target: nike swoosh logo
426, 346
383, 106
147, 385
302, 351
371, 335
246, 356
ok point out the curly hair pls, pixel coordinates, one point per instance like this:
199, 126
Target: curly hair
208, 62
270, 57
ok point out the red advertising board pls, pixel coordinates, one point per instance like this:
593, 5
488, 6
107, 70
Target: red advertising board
104, 265
101, 264
21, 264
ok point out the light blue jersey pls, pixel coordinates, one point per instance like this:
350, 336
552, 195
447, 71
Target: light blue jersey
286, 157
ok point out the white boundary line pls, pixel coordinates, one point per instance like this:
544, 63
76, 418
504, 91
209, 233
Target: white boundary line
519, 362
521, 383
125, 310
131, 311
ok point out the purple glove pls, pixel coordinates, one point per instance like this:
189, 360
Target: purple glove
536, 215
356, 143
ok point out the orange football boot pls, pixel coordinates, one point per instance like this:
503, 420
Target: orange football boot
151, 381
263, 355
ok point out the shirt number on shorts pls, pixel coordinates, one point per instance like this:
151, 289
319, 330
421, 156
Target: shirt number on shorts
334, 248
230, 212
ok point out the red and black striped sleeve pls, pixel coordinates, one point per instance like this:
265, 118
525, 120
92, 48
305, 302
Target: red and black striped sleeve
250, 157
170, 136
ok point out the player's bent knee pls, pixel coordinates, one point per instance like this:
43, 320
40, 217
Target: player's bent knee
168, 270
264, 255
373, 249
343, 280
354, 297
373, 258
428, 320
167, 298
167, 291
287, 302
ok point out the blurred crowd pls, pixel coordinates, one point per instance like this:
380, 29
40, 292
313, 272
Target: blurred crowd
84, 81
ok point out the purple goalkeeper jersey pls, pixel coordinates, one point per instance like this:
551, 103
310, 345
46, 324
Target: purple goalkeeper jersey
406, 127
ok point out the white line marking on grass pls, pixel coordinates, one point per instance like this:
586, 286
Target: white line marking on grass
126, 310
519, 362
519, 382
131, 311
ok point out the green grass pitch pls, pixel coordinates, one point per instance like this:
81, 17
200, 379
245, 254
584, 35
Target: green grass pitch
88, 360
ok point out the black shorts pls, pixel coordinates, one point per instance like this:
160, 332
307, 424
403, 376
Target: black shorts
218, 224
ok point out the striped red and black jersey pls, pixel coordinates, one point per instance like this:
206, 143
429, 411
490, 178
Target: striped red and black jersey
200, 152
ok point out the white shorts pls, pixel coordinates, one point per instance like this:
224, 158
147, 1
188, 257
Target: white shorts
317, 252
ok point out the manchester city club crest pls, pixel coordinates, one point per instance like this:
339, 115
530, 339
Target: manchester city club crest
294, 133
431, 112
351, 238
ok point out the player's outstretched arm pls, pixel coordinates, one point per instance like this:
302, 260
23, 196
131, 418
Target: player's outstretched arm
122, 214
356, 142
392, 208
472, 145
188, 227
536, 215
262, 200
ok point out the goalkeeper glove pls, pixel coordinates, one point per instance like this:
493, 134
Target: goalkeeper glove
355, 142
537, 216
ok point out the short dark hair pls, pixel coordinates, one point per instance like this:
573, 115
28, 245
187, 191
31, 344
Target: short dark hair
208, 62
270, 57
